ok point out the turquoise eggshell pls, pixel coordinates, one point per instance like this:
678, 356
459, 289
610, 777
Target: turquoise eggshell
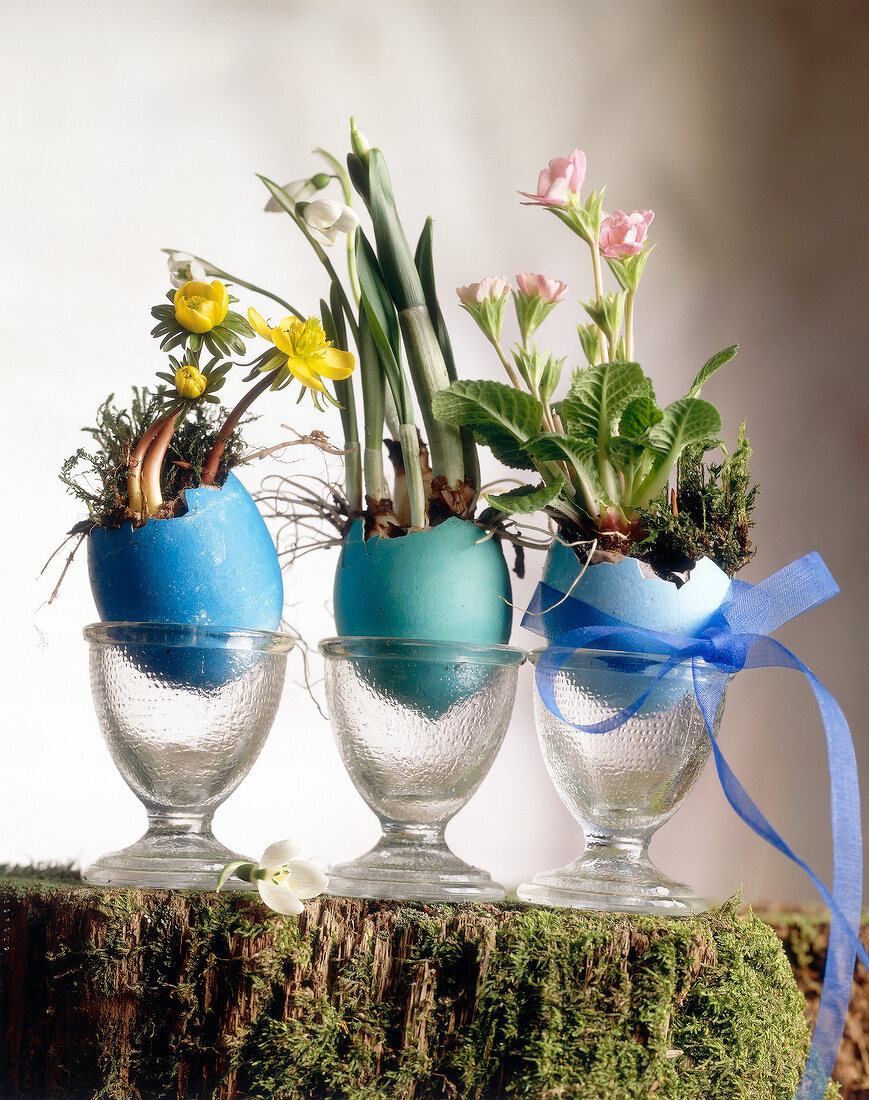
621, 591
214, 566
441, 585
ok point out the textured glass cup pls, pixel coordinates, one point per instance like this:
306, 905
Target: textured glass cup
185, 711
623, 785
418, 725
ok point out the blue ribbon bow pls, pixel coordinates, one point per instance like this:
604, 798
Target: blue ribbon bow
737, 638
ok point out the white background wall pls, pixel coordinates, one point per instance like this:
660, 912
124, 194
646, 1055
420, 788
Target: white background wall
125, 127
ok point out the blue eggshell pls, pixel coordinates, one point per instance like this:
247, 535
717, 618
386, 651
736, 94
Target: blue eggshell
441, 585
214, 566
621, 591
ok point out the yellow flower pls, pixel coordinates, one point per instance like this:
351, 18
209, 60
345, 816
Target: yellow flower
189, 381
200, 307
309, 354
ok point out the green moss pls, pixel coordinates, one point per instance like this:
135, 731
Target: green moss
518, 1001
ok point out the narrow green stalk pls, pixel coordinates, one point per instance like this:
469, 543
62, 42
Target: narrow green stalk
288, 207
598, 293
629, 324
344, 180
346, 398
234, 279
409, 439
373, 380
429, 373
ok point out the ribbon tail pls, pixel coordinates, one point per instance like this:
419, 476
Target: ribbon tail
846, 899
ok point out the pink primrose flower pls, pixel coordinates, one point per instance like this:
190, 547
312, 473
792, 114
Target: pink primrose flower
493, 286
564, 176
622, 234
538, 286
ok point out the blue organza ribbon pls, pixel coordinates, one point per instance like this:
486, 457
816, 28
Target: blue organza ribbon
737, 638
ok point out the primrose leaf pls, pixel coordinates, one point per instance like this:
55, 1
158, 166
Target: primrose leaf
625, 454
527, 498
639, 416
501, 417
710, 367
688, 420
599, 395
580, 453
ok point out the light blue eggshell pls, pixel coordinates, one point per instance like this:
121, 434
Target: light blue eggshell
623, 592
441, 585
214, 566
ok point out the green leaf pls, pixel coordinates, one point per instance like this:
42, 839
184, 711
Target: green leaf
625, 454
241, 868
598, 396
641, 414
710, 367
581, 453
396, 260
382, 318
688, 420
527, 498
501, 417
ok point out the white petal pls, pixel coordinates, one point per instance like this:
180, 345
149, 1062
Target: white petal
279, 898
308, 880
327, 239
322, 213
280, 852
348, 220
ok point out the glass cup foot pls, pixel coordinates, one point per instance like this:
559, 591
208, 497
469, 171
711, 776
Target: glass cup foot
613, 884
412, 870
167, 861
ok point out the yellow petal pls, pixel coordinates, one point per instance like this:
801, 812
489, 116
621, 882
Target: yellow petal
282, 341
258, 324
334, 363
300, 369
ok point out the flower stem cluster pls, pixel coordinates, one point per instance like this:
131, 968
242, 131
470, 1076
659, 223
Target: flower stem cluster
606, 451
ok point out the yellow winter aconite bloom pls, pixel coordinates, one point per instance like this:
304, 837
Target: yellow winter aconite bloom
200, 307
309, 354
189, 381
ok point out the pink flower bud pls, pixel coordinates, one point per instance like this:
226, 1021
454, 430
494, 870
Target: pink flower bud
538, 286
493, 287
622, 234
564, 176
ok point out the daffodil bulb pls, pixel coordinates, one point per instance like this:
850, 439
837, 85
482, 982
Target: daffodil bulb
184, 268
282, 880
326, 218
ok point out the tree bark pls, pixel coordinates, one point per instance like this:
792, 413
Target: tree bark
140, 995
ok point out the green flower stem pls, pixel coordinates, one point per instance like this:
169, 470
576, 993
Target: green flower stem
429, 372
505, 362
409, 440
598, 293
629, 324
235, 280
373, 380
346, 399
343, 178
209, 470
289, 208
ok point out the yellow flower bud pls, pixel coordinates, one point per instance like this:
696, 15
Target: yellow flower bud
200, 307
190, 382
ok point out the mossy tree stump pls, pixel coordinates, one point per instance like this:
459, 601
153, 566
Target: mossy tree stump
132, 994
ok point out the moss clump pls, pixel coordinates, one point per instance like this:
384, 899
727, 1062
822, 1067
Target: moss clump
158, 994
